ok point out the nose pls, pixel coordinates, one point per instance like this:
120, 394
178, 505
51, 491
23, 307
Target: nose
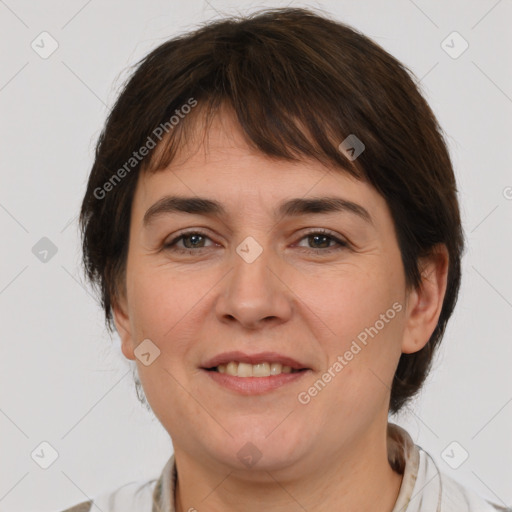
253, 293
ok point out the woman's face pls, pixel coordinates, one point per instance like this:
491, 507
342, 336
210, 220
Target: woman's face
255, 279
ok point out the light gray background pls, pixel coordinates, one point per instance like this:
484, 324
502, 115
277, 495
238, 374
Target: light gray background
63, 381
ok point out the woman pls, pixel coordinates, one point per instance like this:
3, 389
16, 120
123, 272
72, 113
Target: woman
272, 221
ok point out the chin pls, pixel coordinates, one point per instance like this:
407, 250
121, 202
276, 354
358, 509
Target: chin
264, 448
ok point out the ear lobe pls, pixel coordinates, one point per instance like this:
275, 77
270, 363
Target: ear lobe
425, 302
122, 323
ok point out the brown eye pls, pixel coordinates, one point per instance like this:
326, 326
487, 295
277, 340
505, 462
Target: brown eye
322, 242
191, 240
194, 240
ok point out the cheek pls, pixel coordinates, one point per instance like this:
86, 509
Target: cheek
168, 308
351, 300
164, 302
371, 330
364, 317
163, 308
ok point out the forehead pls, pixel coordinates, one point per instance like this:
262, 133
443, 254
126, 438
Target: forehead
217, 161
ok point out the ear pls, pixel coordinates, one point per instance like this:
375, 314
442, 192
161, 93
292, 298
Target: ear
424, 303
122, 323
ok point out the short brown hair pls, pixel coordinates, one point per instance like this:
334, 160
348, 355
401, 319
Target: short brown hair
298, 84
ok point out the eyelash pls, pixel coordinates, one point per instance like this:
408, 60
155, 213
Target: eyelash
341, 244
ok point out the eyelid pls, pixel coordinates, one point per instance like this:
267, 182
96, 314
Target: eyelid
341, 241
192, 231
324, 231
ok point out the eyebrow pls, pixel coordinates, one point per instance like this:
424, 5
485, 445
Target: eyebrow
289, 208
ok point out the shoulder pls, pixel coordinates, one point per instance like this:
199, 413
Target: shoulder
424, 485
132, 497
85, 506
457, 497
452, 496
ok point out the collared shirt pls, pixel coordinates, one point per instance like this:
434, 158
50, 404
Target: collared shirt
424, 488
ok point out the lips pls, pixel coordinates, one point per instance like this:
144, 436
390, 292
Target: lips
260, 357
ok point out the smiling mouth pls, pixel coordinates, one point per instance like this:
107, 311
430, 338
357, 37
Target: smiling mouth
264, 369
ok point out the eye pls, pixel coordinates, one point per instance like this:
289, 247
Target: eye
192, 241
324, 238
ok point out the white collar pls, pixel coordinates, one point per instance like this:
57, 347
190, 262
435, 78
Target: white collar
424, 487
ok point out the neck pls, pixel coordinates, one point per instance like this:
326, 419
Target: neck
355, 478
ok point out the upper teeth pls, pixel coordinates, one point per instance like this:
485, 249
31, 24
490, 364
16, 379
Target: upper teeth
253, 370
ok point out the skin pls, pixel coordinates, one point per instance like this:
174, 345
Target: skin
331, 452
